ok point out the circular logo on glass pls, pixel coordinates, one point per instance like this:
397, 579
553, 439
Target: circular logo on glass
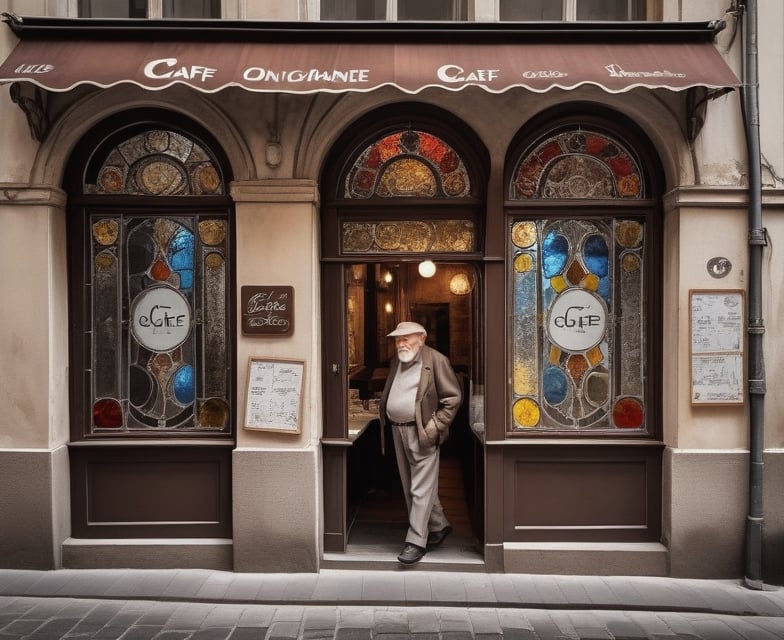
160, 319
577, 320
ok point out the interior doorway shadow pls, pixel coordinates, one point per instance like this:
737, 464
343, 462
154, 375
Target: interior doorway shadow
380, 519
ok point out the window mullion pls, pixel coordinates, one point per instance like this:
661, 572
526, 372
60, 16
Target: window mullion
570, 10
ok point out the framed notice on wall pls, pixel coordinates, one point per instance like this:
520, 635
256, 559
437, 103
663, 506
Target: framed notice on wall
274, 394
716, 318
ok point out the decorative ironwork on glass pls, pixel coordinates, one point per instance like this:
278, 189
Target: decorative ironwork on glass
578, 163
159, 336
158, 163
578, 330
408, 163
409, 236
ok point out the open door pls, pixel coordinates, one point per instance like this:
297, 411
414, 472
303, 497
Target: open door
404, 186
364, 507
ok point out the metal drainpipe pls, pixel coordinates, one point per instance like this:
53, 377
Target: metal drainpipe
756, 326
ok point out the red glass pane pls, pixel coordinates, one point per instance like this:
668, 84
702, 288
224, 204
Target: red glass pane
160, 271
628, 413
107, 414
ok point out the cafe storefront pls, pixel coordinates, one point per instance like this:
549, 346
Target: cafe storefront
238, 214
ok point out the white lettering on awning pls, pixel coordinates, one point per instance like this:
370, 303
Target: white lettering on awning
453, 73
345, 76
155, 70
616, 71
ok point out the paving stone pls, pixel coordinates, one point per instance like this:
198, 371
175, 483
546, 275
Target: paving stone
484, 621
23, 627
212, 633
248, 633
417, 588
517, 633
390, 621
256, 616
352, 633
168, 634
544, 625
625, 627
424, 621
142, 632
288, 614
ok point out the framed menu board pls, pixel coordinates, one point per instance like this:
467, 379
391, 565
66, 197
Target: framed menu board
274, 394
716, 318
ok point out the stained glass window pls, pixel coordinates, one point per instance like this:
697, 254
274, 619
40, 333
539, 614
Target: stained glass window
578, 290
158, 163
160, 332
409, 236
408, 163
578, 327
580, 163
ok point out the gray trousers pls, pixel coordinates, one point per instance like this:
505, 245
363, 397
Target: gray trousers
418, 467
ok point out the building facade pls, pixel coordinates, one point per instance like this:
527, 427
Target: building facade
209, 227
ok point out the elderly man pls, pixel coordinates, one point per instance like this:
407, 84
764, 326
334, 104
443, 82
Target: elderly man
420, 400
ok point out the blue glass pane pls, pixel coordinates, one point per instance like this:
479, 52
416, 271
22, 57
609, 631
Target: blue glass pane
555, 253
183, 385
596, 253
604, 289
181, 257
555, 385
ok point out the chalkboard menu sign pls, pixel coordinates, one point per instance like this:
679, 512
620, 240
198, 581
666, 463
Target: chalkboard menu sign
717, 325
274, 394
267, 310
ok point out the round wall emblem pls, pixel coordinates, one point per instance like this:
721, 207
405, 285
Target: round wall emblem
160, 319
577, 320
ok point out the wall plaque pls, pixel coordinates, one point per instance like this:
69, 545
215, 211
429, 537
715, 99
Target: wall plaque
267, 310
717, 325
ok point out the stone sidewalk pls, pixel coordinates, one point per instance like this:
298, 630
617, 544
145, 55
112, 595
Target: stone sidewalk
401, 588
359, 605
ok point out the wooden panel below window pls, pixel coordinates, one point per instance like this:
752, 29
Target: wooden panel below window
592, 493
141, 492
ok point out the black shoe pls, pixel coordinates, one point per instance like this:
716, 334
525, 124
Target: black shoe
411, 554
435, 538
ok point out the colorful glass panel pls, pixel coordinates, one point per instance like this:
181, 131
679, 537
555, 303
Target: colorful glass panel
158, 163
409, 236
170, 360
578, 328
408, 163
578, 164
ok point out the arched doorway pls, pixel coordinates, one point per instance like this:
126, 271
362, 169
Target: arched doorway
151, 313
402, 234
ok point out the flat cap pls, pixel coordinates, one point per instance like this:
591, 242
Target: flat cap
406, 329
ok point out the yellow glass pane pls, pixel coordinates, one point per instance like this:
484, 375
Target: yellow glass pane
526, 413
558, 283
523, 262
524, 234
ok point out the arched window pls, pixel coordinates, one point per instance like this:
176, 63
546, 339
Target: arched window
152, 242
157, 162
583, 246
408, 163
577, 163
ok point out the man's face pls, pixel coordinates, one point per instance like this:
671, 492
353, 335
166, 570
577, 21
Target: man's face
408, 347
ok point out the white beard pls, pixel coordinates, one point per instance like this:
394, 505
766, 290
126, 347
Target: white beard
407, 355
